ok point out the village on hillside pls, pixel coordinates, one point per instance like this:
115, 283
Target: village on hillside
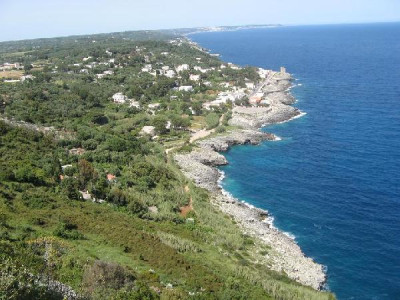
202, 82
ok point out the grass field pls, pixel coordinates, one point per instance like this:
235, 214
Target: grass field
13, 74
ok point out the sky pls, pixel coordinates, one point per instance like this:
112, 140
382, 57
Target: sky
25, 19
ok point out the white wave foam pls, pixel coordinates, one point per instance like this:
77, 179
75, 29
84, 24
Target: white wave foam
268, 220
292, 118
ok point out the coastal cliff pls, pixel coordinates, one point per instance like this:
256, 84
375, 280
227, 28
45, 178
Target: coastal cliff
201, 164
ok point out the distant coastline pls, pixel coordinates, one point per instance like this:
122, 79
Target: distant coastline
228, 28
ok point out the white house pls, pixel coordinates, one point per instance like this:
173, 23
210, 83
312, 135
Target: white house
145, 69
27, 77
198, 68
185, 88
232, 66
154, 106
135, 104
119, 98
263, 73
170, 73
250, 85
149, 130
194, 77
105, 73
8, 66
181, 68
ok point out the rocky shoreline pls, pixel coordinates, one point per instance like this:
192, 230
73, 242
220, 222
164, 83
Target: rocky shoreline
201, 164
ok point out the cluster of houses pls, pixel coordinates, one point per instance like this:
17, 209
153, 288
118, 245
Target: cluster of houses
13, 66
165, 70
231, 95
120, 98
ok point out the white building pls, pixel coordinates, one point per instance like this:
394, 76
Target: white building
198, 68
170, 73
232, 66
148, 130
27, 77
185, 88
147, 68
194, 77
135, 104
105, 73
8, 66
263, 73
154, 106
250, 85
182, 68
119, 98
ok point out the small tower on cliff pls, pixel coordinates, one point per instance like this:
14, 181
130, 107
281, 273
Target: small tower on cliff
283, 70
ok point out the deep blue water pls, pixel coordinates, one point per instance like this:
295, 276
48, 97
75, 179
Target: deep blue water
334, 179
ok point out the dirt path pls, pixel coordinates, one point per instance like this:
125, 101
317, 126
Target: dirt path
204, 133
187, 208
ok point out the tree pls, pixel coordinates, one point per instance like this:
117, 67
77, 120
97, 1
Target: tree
179, 122
69, 187
86, 172
160, 123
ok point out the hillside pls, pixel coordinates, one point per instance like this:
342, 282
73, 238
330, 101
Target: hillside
92, 205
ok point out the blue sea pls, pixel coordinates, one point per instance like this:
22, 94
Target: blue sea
333, 181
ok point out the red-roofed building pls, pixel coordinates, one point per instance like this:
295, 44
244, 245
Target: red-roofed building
111, 177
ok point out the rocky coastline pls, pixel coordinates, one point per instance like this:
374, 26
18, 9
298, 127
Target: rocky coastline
201, 164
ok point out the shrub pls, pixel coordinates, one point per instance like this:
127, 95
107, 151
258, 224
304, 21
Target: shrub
36, 199
141, 292
105, 275
69, 187
137, 207
212, 120
68, 231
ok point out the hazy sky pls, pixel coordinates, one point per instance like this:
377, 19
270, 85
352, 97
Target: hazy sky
20, 19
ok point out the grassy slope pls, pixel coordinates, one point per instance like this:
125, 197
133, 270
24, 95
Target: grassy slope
210, 256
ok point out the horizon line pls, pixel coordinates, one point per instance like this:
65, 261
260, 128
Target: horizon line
197, 27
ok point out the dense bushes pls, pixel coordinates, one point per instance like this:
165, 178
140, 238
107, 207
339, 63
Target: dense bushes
212, 120
102, 276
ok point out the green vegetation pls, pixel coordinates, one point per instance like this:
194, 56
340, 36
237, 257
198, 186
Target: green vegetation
88, 201
212, 120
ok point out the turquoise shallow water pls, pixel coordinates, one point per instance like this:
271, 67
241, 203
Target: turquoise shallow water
333, 180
